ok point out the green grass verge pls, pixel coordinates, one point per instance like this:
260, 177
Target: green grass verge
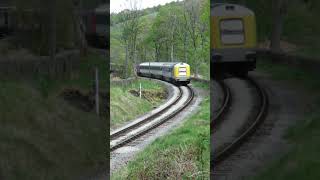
124, 106
46, 138
201, 85
302, 161
182, 154
82, 79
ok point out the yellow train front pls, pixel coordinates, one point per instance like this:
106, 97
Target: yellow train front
233, 39
175, 72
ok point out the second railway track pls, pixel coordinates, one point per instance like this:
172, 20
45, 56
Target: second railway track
134, 130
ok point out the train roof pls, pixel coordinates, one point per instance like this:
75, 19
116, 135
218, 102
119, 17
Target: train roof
228, 9
159, 63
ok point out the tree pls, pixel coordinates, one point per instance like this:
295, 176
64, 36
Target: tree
165, 30
177, 31
53, 26
204, 31
47, 26
193, 19
131, 28
79, 27
158, 35
279, 9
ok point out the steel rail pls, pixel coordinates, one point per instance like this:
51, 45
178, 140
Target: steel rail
147, 119
216, 120
243, 137
155, 125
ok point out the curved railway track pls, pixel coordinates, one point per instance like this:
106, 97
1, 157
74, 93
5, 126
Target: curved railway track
135, 130
229, 149
216, 120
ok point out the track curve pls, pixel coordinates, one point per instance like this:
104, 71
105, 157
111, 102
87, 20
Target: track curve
216, 120
126, 135
227, 151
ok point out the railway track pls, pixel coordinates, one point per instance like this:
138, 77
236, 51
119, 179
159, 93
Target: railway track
224, 107
133, 131
252, 125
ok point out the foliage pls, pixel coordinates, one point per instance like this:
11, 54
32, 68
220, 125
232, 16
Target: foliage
33, 23
46, 137
177, 31
36, 19
299, 26
83, 79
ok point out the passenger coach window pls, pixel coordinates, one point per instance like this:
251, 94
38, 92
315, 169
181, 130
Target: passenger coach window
232, 31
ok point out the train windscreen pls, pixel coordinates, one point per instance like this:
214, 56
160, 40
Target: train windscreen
182, 71
232, 31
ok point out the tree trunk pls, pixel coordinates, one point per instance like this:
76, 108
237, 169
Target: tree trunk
52, 32
156, 51
134, 49
279, 7
167, 47
172, 52
126, 63
79, 26
185, 47
197, 71
145, 53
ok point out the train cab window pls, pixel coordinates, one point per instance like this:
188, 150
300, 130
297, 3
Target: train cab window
232, 31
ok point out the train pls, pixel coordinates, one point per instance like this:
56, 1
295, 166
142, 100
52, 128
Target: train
174, 72
233, 39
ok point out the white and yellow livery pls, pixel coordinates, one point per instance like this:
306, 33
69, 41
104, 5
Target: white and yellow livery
233, 38
177, 72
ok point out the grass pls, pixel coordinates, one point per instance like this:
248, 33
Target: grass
182, 154
124, 106
44, 137
302, 161
201, 85
82, 79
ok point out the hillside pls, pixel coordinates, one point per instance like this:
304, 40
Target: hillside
176, 31
117, 49
49, 129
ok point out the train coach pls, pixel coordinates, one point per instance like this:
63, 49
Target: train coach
175, 72
233, 39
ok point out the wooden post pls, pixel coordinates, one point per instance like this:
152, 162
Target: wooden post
97, 90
